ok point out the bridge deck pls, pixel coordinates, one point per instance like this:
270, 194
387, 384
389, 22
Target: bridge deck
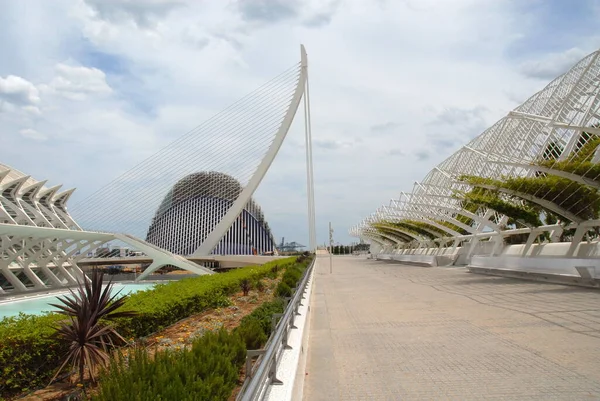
241, 260
384, 331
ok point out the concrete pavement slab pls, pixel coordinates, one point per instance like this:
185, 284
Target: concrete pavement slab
385, 331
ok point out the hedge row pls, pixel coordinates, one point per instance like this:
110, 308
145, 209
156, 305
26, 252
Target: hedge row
208, 370
172, 302
29, 354
290, 279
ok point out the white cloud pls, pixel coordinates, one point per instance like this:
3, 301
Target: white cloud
18, 91
386, 127
380, 74
32, 110
552, 65
32, 134
144, 13
458, 116
334, 144
77, 82
310, 13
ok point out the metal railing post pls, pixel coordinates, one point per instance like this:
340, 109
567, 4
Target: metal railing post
266, 370
250, 354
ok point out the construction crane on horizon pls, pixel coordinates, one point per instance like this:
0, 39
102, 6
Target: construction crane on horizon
290, 246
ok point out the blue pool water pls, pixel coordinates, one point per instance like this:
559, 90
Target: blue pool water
38, 304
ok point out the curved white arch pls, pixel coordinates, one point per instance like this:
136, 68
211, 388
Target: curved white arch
444, 217
437, 225
408, 234
379, 241
392, 241
221, 228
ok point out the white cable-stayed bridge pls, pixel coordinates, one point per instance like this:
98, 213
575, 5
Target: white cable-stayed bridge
189, 202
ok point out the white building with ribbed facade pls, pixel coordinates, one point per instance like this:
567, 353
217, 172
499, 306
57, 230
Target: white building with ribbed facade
195, 205
524, 194
34, 262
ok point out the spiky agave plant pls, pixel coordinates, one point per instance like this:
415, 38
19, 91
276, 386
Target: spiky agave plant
89, 335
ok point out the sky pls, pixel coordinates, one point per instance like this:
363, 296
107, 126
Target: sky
90, 88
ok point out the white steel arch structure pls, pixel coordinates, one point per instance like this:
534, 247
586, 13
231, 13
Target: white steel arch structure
25, 201
238, 205
41, 243
241, 142
534, 174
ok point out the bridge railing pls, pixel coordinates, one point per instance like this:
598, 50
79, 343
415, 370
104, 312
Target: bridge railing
264, 372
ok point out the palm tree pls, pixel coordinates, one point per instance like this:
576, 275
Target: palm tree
89, 335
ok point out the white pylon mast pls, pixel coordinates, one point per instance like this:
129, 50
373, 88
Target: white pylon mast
310, 188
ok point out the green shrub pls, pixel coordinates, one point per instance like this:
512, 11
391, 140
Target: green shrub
28, 352
293, 273
263, 315
259, 285
252, 334
167, 304
209, 370
283, 290
291, 277
29, 355
273, 273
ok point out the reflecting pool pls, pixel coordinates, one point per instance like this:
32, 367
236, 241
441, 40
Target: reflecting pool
37, 304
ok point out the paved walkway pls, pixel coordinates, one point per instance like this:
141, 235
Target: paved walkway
383, 331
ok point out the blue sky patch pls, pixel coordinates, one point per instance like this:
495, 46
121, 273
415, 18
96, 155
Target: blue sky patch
552, 26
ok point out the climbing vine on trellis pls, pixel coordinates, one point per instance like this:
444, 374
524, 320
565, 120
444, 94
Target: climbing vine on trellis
524, 214
576, 198
412, 228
